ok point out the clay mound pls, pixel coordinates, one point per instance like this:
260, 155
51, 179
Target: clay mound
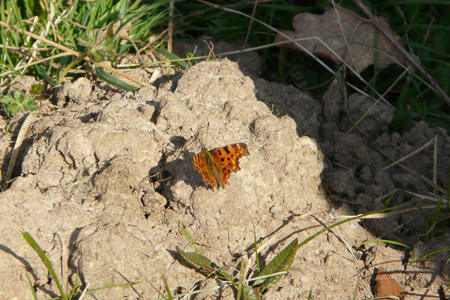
106, 185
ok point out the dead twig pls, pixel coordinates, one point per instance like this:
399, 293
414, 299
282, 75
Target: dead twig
169, 42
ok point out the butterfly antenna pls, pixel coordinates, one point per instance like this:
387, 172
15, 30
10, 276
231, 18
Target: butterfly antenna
207, 130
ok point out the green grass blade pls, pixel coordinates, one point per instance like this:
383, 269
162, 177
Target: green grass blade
101, 73
33, 292
434, 218
281, 262
176, 60
256, 249
242, 278
46, 76
45, 260
385, 241
77, 294
115, 285
355, 292
428, 254
310, 238
192, 241
74, 288
166, 287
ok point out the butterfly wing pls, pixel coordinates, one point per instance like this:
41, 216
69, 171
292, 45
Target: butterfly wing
204, 164
216, 165
227, 159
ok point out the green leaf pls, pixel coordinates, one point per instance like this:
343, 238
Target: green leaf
202, 264
13, 108
98, 49
30, 106
101, 73
281, 263
15, 103
36, 89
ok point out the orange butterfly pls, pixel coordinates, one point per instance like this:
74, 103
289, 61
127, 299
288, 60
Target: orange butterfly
216, 165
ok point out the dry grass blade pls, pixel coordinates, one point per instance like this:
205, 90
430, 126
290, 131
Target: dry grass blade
409, 155
385, 214
17, 145
77, 54
427, 180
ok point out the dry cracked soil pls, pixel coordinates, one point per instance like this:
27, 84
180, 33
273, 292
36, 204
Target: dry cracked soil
105, 182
